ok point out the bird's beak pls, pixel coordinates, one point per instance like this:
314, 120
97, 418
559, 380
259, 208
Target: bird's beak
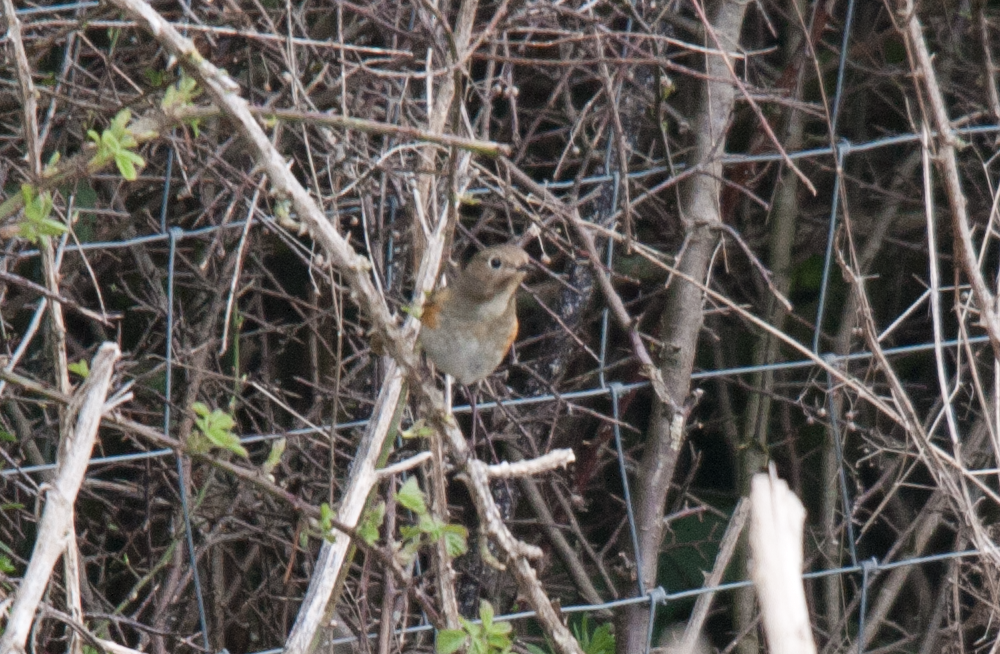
525, 268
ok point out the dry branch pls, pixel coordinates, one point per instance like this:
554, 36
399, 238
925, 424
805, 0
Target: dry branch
536, 466
947, 160
692, 630
776, 521
56, 524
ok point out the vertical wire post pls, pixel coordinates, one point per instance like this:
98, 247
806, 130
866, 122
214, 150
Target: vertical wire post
605, 313
868, 567
839, 453
656, 596
615, 388
175, 233
842, 148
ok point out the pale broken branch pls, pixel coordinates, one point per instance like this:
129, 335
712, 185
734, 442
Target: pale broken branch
404, 465
477, 478
776, 521
57, 519
530, 467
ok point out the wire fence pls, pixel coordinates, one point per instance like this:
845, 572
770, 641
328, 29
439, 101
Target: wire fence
865, 571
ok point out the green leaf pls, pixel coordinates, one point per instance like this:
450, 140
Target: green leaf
126, 169
602, 641
50, 167
456, 540
325, 517
120, 122
431, 526
410, 496
409, 532
110, 144
489, 637
283, 209
154, 77
229, 441
274, 456
7, 566
114, 143
7, 437
81, 368
486, 614
216, 426
477, 643
371, 522
181, 94
36, 205
449, 641
500, 629
418, 430
126, 160
498, 644
36, 223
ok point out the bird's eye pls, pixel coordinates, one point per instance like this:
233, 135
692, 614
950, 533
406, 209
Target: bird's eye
495, 263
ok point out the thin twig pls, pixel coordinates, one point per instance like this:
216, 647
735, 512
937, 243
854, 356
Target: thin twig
61, 299
726, 548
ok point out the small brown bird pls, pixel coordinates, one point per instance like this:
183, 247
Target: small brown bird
469, 325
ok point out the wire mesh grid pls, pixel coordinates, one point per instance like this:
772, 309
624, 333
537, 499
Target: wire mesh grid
864, 570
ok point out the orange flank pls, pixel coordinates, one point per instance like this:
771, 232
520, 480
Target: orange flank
431, 314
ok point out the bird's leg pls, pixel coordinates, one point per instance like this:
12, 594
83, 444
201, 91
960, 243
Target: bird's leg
485, 385
469, 393
447, 394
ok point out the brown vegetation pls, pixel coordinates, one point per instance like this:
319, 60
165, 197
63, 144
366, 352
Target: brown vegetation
763, 231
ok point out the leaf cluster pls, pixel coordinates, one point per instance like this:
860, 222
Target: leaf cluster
484, 637
37, 208
114, 144
426, 530
214, 428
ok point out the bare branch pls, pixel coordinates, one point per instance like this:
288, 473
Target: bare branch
545, 463
56, 524
776, 522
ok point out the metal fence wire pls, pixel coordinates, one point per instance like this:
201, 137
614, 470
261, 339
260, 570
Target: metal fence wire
860, 570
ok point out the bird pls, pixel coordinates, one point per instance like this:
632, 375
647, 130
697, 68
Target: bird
469, 325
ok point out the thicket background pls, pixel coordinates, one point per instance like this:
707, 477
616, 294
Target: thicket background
817, 196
